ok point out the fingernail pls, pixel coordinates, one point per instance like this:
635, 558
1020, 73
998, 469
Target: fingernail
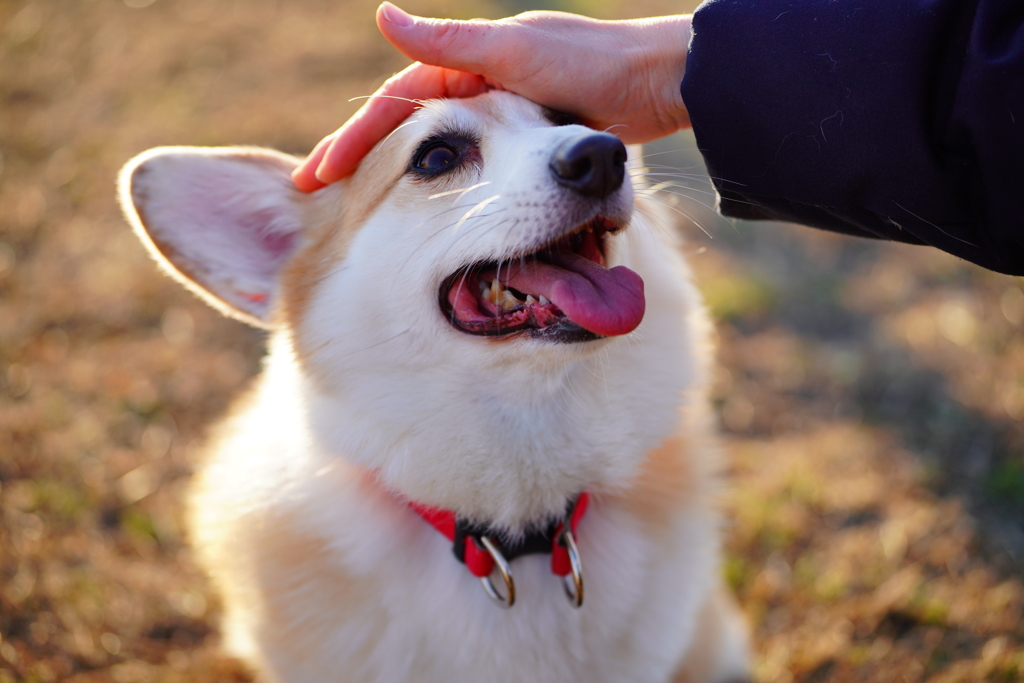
321, 173
396, 16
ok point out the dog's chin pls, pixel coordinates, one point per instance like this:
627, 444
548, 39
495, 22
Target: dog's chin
564, 332
560, 293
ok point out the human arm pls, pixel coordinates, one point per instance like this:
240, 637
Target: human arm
617, 75
895, 119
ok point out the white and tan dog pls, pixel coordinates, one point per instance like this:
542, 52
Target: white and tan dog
449, 336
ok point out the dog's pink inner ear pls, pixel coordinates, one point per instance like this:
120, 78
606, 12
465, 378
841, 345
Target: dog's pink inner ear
261, 229
278, 245
224, 220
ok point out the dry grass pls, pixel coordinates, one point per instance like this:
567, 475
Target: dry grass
871, 394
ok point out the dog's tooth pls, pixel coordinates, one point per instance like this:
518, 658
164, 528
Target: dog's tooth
530, 299
493, 293
544, 299
508, 300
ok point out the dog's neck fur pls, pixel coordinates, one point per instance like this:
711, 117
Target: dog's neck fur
508, 451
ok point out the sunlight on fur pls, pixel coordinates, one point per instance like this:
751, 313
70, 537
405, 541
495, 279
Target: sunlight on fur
477, 323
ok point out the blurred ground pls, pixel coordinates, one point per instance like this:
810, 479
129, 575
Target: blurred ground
871, 395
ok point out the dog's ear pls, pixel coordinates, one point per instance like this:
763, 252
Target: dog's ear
223, 221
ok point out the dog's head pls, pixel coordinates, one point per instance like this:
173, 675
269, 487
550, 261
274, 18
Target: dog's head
479, 218
474, 254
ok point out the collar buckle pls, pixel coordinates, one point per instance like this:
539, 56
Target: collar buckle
483, 554
501, 564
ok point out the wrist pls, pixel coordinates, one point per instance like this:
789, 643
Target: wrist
663, 44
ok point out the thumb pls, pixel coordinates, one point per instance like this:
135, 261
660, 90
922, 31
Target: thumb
472, 46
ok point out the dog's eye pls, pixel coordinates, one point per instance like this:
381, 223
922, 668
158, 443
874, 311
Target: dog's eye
436, 158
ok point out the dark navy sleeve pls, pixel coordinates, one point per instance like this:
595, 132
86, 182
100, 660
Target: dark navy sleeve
897, 119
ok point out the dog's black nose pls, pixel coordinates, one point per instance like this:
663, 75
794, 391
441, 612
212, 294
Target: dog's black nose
592, 164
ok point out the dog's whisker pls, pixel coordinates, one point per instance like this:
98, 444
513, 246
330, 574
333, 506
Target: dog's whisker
684, 214
373, 346
669, 187
447, 226
437, 214
481, 231
479, 207
665, 174
455, 224
451, 209
397, 128
460, 191
697, 169
698, 175
681, 183
666, 186
681, 150
671, 206
642, 221
488, 230
388, 97
440, 230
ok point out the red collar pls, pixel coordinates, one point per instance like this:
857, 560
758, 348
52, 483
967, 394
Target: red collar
480, 550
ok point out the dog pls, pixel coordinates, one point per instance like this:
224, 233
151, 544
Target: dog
480, 448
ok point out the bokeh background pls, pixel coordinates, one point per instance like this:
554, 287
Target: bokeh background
871, 395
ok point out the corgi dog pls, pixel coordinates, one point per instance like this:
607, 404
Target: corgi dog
480, 448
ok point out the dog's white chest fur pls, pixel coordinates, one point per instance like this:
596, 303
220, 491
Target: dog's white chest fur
386, 382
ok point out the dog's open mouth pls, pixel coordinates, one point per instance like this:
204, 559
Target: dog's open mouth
562, 291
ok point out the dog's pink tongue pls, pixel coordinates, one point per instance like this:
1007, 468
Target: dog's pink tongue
604, 301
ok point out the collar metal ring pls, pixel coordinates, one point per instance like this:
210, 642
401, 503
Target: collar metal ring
573, 582
501, 564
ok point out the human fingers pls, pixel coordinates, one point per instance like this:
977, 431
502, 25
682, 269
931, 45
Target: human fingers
338, 155
399, 97
476, 46
304, 176
621, 75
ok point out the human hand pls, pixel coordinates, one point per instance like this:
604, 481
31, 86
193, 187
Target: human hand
620, 76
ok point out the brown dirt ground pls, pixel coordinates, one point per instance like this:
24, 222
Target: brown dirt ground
871, 395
